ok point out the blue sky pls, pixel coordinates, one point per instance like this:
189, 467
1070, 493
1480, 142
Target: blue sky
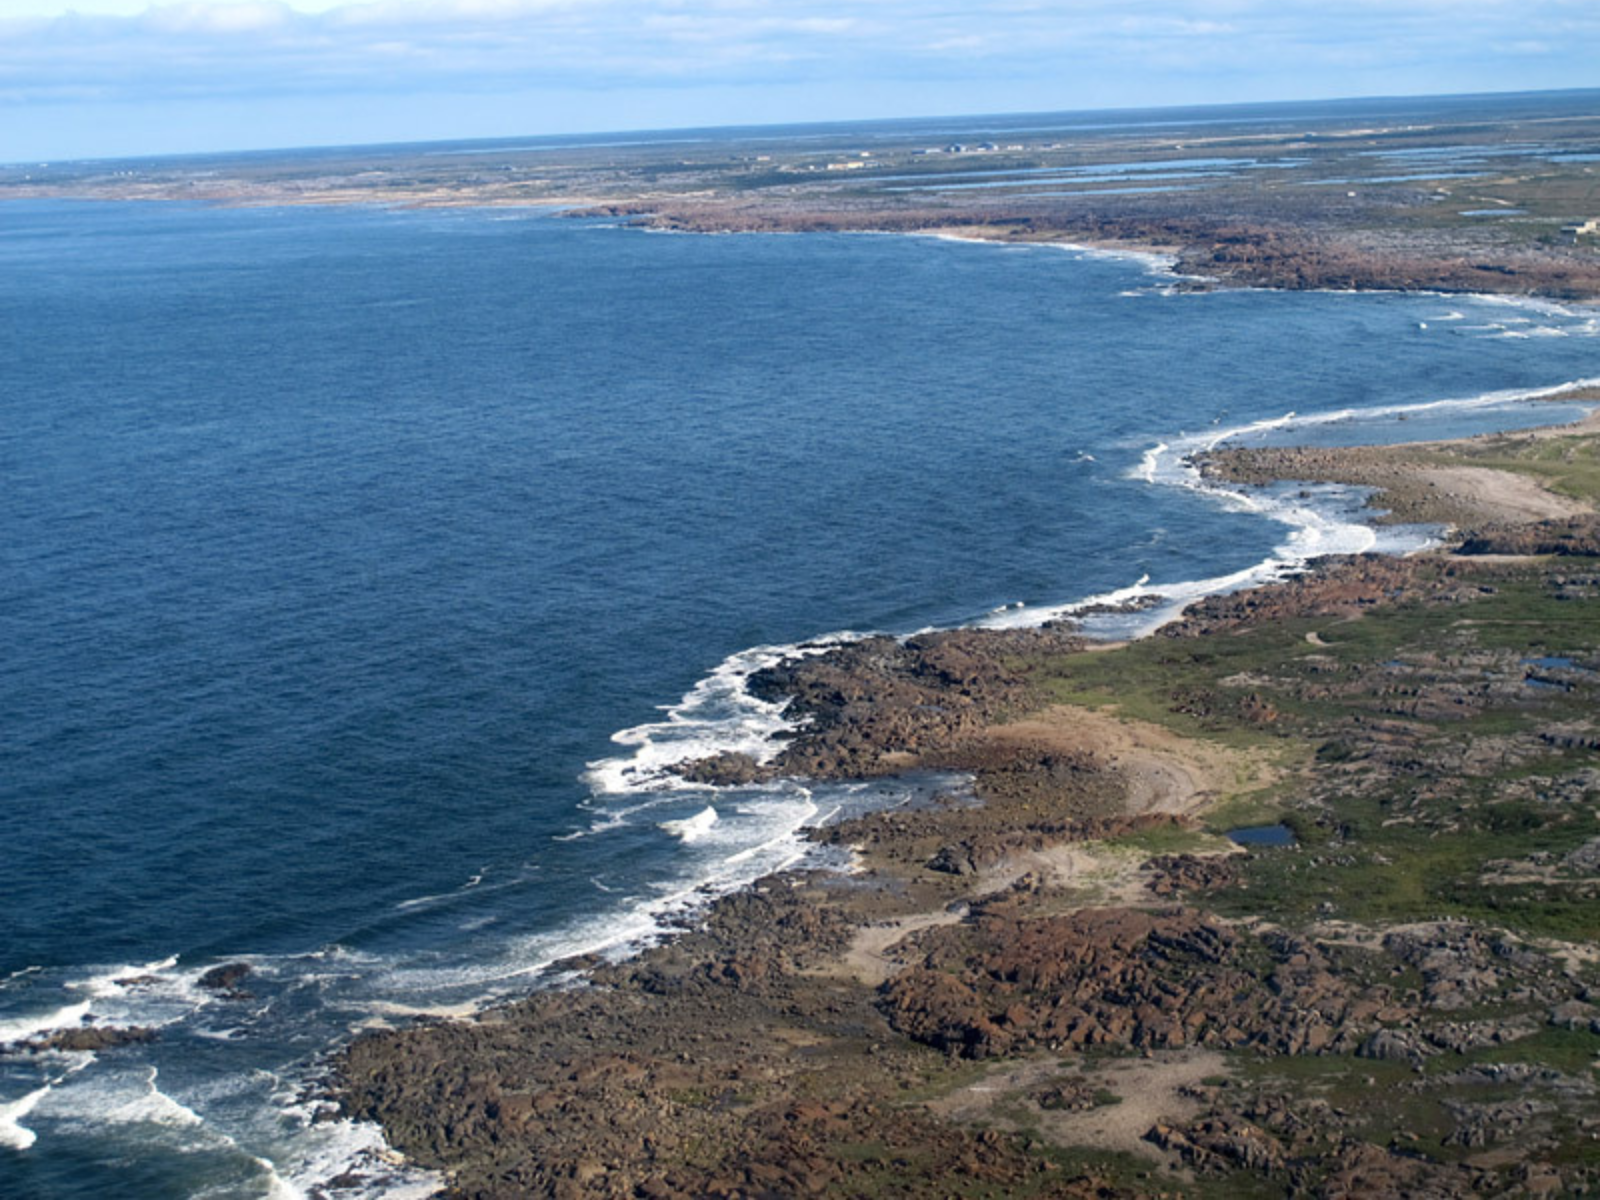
100, 78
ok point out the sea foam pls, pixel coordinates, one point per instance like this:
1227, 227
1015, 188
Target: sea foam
691, 829
1322, 519
13, 1134
718, 715
19, 1029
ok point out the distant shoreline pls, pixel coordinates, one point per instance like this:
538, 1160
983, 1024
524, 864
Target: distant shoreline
1297, 261
1335, 199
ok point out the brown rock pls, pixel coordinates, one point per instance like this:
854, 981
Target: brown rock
91, 1037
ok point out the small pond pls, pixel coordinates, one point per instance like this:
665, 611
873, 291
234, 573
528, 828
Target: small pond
1263, 835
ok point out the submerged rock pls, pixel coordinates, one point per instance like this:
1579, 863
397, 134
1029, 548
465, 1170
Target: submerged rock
728, 769
226, 979
91, 1037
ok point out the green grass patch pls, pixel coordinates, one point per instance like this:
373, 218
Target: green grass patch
1340, 1079
860, 1152
1572, 1051
1144, 1178
1567, 464
1265, 807
1413, 847
1168, 839
1356, 867
943, 1076
1375, 1095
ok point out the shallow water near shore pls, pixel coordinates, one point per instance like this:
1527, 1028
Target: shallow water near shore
365, 570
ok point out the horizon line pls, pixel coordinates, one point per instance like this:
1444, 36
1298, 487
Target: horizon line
753, 132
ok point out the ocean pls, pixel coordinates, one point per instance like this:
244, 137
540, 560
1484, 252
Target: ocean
364, 569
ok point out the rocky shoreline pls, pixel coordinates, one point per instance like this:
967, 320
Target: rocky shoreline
1078, 986
1509, 487
1298, 898
1275, 249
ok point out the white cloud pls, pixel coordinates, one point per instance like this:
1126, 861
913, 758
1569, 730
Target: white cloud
133, 8
253, 17
1053, 53
423, 14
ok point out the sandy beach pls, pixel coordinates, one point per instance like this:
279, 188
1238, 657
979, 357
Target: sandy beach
1439, 482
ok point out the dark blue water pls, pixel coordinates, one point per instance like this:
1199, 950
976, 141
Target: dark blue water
338, 544
1262, 835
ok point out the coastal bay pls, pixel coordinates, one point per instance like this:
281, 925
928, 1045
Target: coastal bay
361, 555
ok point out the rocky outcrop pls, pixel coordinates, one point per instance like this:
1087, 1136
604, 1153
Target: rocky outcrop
1341, 586
91, 1037
1575, 536
878, 705
1218, 1143
1115, 977
225, 980
1394, 1045
1361, 1169
987, 850
1170, 874
728, 769
661, 1090
1463, 966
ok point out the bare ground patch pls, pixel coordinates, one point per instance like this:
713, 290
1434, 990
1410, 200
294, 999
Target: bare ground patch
1143, 1092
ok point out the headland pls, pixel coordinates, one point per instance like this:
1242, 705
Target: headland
1297, 896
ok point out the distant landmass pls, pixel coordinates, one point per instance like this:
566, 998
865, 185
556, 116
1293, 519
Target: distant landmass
1483, 193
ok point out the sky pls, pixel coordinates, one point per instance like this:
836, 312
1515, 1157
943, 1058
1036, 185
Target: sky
114, 78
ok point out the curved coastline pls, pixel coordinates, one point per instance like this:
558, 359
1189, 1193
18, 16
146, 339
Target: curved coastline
754, 1033
1266, 253
702, 749
1124, 605
1344, 524
747, 952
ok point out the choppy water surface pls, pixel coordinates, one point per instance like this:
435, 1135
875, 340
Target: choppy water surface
363, 570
